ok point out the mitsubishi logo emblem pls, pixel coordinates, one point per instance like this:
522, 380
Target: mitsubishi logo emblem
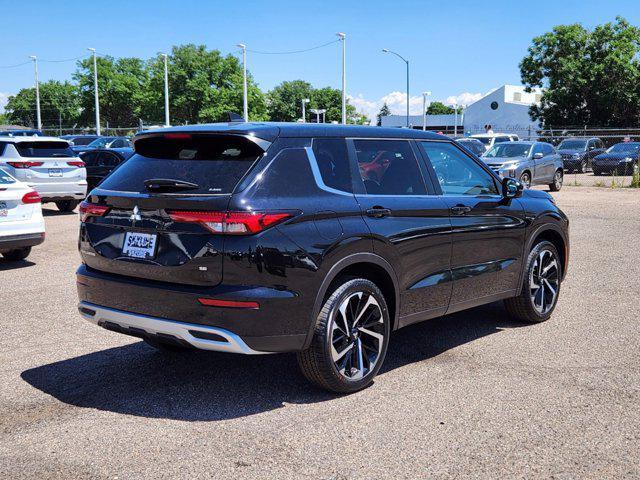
135, 216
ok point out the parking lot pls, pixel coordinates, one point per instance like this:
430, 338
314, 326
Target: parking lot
471, 394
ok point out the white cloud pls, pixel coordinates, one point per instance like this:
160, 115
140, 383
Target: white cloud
4, 97
397, 103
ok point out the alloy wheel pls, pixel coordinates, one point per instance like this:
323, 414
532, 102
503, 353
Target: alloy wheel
544, 282
525, 179
558, 178
357, 335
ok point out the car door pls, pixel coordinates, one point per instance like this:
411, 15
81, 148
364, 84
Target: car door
409, 224
488, 229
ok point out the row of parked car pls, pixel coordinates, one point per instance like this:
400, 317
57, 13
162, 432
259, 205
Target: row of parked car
540, 163
35, 168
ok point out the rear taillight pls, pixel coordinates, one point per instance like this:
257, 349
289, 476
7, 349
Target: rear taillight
87, 210
31, 197
25, 164
78, 164
230, 223
213, 302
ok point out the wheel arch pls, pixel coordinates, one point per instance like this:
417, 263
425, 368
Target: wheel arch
362, 265
554, 234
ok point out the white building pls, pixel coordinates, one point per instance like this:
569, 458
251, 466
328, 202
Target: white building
506, 109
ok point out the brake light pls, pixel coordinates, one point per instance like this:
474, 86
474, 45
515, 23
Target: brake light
31, 197
78, 164
230, 223
25, 164
87, 210
212, 302
177, 136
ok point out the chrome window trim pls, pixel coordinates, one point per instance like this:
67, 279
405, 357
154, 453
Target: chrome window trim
313, 163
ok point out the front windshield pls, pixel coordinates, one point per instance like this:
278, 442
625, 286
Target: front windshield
624, 147
572, 145
101, 142
509, 150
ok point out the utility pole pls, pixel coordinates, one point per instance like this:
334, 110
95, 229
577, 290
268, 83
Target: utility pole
245, 102
38, 117
343, 39
95, 87
304, 111
386, 50
424, 110
166, 90
455, 121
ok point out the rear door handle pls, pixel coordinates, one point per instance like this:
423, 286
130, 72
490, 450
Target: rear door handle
460, 209
378, 212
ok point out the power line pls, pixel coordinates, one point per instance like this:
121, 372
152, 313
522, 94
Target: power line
16, 65
64, 60
289, 52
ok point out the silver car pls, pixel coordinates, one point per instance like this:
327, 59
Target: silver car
533, 163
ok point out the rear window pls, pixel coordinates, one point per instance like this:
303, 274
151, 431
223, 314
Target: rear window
5, 179
214, 163
81, 141
44, 149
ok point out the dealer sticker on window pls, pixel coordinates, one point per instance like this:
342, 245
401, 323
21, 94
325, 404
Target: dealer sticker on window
139, 245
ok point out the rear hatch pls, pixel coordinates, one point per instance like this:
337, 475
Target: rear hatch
46, 162
156, 216
12, 206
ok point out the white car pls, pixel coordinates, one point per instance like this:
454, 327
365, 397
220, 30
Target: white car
48, 165
490, 139
21, 222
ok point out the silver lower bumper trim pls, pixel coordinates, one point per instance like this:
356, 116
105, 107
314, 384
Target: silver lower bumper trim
154, 325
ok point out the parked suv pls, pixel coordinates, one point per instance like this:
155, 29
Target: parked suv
255, 238
491, 139
577, 153
534, 163
49, 166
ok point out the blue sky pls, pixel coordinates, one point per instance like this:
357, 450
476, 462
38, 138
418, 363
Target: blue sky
456, 49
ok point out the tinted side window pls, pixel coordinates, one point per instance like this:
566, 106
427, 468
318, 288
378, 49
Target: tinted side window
537, 148
107, 159
89, 158
2, 147
501, 139
333, 162
389, 167
547, 149
457, 173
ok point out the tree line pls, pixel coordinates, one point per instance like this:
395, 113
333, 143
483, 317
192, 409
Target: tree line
204, 85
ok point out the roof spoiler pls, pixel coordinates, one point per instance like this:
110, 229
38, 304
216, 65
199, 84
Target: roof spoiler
234, 117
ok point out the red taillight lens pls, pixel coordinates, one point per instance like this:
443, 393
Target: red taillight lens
212, 302
31, 197
177, 136
87, 210
230, 223
76, 164
25, 164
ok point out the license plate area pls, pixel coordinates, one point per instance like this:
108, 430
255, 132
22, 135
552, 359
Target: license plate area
55, 172
139, 245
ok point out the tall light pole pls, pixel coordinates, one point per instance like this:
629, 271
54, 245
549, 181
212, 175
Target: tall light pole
95, 89
386, 50
424, 110
304, 110
343, 39
37, 83
455, 120
245, 102
166, 90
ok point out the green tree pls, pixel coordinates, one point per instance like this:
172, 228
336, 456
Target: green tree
59, 104
285, 101
203, 86
4, 119
121, 90
439, 108
385, 111
589, 77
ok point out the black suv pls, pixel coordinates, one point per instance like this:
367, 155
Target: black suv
318, 239
577, 153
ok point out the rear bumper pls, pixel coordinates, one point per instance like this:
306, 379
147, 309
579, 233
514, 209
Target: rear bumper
51, 191
15, 242
273, 327
198, 336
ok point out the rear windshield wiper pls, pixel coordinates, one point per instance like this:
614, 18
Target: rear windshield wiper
169, 185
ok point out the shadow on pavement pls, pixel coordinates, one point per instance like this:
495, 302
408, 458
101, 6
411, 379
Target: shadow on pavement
11, 265
50, 210
203, 386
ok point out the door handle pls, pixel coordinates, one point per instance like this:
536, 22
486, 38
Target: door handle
378, 212
460, 209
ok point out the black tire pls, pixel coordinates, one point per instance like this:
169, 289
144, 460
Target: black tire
558, 178
597, 172
583, 167
166, 347
525, 179
344, 376
67, 205
522, 307
17, 255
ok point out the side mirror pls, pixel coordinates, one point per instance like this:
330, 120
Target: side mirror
511, 188
538, 156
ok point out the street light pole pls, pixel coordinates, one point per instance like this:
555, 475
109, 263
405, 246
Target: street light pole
37, 83
304, 111
455, 121
343, 39
386, 50
424, 110
245, 101
95, 87
166, 90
